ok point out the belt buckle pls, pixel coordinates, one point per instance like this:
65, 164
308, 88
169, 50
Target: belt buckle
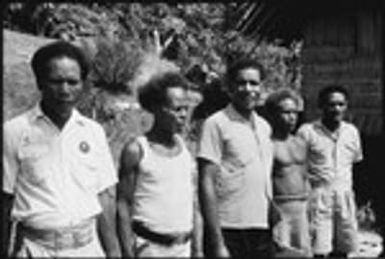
82, 238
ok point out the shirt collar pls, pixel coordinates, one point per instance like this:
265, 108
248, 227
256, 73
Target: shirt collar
235, 115
318, 124
37, 114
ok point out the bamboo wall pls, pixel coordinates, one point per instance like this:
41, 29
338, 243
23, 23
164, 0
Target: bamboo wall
346, 48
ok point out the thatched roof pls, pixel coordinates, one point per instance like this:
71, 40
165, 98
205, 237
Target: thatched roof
285, 19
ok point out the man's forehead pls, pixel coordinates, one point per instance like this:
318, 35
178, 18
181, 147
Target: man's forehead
336, 96
177, 95
288, 102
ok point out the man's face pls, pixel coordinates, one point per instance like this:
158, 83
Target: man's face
62, 86
335, 107
287, 115
246, 89
174, 112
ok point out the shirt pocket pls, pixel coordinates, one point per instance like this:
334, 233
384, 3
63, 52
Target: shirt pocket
231, 178
34, 161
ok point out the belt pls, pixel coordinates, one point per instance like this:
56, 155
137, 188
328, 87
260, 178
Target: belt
167, 239
62, 238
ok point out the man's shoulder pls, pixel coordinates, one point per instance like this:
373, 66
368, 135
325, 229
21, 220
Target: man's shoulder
308, 127
307, 130
89, 122
133, 150
350, 128
17, 122
218, 115
262, 122
217, 118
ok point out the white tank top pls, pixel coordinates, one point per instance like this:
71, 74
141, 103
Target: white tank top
163, 197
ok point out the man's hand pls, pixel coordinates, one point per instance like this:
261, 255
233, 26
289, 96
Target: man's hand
274, 214
221, 251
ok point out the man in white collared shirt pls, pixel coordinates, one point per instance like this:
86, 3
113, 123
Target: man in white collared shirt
58, 173
235, 160
333, 147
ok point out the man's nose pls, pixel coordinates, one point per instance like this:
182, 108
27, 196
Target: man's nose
293, 116
251, 87
183, 113
337, 107
64, 87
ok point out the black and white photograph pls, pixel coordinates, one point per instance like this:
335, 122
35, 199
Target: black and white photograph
243, 129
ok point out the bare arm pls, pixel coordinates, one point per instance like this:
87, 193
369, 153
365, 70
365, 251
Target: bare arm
129, 161
208, 202
196, 244
107, 222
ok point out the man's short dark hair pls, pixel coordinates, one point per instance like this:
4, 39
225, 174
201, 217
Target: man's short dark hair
152, 95
240, 64
323, 95
54, 50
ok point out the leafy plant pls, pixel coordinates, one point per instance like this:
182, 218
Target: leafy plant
115, 64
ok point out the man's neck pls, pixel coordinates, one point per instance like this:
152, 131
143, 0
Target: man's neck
332, 126
57, 118
244, 113
281, 134
161, 136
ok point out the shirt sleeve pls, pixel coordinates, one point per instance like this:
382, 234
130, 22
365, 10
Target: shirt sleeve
210, 143
107, 175
10, 161
358, 155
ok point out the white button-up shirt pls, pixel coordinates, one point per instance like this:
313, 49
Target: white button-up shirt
55, 176
243, 150
331, 155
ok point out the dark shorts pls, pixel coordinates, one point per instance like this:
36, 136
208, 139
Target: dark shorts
247, 243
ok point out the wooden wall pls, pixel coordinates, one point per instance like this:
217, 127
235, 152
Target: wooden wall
346, 48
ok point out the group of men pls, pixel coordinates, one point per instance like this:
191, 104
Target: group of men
262, 185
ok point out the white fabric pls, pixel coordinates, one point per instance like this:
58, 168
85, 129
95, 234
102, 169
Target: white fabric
33, 249
333, 221
244, 152
292, 231
331, 156
55, 175
163, 198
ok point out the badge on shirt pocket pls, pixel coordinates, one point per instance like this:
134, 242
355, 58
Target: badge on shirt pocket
87, 164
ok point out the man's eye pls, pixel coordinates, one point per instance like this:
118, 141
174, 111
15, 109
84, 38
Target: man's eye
60, 81
73, 82
55, 81
254, 83
251, 82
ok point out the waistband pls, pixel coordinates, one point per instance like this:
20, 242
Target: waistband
61, 238
167, 239
334, 185
291, 197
